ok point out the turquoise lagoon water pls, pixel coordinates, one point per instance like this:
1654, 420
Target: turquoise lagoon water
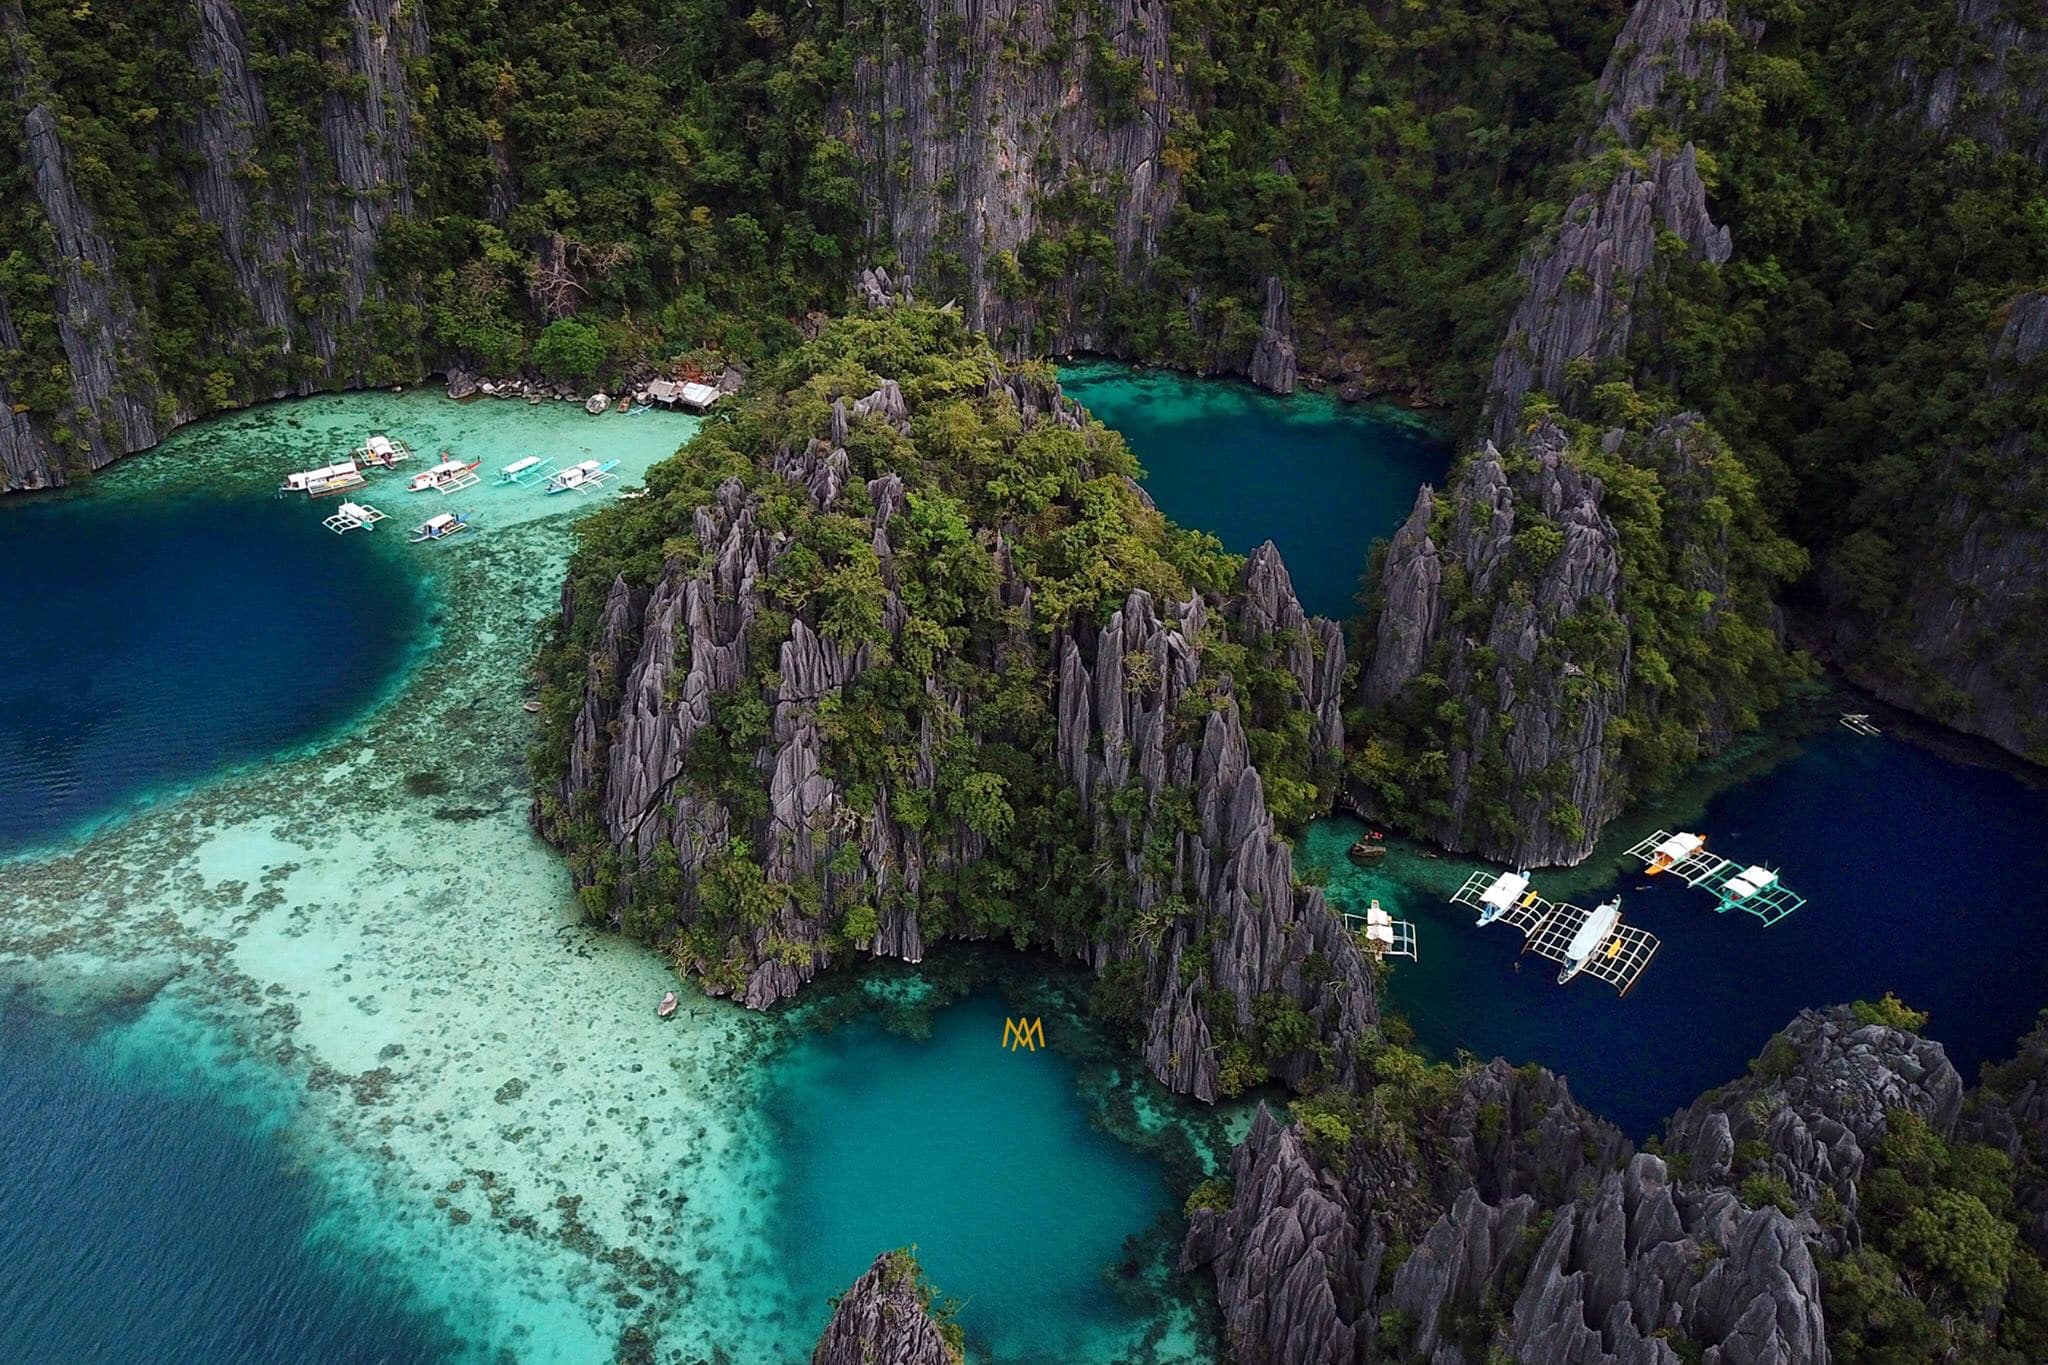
983, 1157
309, 1055
1924, 868
1319, 478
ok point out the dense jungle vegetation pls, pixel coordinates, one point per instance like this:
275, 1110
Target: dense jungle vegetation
680, 177
948, 733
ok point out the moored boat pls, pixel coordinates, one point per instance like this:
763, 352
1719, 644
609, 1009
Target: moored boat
325, 481
440, 527
383, 452
449, 476
579, 477
1593, 934
526, 471
353, 516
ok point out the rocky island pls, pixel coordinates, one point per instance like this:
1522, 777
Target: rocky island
1733, 311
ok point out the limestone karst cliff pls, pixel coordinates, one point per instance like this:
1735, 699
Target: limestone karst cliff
885, 1318
296, 252
1959, 635
1499, 1220
864, 697
1574, 617
1585, 289
974, 139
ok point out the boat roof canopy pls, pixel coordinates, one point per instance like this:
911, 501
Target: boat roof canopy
522, 465
1750, 880
1680, 845
441, 521
1506, 888
380, 445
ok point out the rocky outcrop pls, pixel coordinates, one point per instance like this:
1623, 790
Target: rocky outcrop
1814, 1107
1512, 665
1584, 287
1272, 364
1154, 742
1962, 643
1507, 1224
885, 1319
1519, 651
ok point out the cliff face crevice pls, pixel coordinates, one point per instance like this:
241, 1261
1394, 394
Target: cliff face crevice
970, 145
1202, 919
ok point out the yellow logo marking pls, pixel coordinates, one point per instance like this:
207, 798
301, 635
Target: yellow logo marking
1028, 1034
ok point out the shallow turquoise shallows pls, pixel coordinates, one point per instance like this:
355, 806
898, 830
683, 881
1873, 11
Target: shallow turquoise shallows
981, 1155
1319, 478
306, 1049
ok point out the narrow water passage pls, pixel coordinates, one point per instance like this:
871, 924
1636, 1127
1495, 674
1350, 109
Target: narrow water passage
1923, 877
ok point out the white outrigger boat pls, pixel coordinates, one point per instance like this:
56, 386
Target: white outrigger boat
325, 481
526, 472
1734, 886
1384, 935
353, 516
1593, 943
1501, 898
578, 478
449, 476
383, 452
440, 527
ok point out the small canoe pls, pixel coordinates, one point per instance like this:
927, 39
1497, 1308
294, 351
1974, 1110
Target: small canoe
667, 1008
531, 705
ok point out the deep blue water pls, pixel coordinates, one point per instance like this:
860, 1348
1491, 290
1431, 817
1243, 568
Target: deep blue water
168, 1224
150, 644
1924, 877
983, 1157
1319, 478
